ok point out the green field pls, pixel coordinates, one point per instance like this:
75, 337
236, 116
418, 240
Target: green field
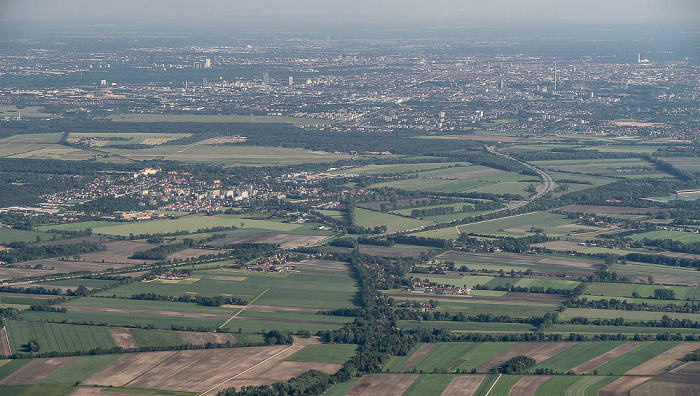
628, 315
685, 237
80, 370
328, 353
58, 337
8, 235
463, 356
635, 357
156, 338
519, 225
479, 327
555, 385
399, 168
187, 223
429, 385
370, 219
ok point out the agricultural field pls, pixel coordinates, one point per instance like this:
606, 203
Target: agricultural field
8, 235
102, 139
518, 226
57, 337
370, 219
227, 155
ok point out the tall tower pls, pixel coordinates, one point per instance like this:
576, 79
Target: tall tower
555, 75
266, 78
291, 81
639, 58
207, 63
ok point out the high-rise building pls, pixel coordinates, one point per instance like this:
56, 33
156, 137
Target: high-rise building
207, 63
266, 78
291, 81
205, 83
103, 82
555, 76
197, 65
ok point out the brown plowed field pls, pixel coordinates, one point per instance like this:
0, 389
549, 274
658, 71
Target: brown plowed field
622, 386
123, 337
664, 360
127, 367
200, 370
420, 352
539, 351
606, 357
655, 388
528, 385
463, 385
197, 338
383, 384
36, 370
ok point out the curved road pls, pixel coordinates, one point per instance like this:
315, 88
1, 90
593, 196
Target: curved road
546, 179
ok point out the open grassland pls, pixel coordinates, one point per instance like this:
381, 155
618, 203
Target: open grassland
187, 223
518, 226
58, 337
685, 237
371, 219
8, 235
468, 327
217, 118
399, 168
125, 138
227, 155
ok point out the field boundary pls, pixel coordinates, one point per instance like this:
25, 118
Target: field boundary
494, 384
5, 342
244, 308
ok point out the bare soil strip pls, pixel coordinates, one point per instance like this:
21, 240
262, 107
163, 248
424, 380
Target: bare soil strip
127, 367
144, 312
606, 357
418, 355
528, 385
549, 349
5, 349
622, 386
664, 360
383, 384
123, 337
656, 388
463, 385
36, 370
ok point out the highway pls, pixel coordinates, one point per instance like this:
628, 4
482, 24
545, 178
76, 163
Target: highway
546, 180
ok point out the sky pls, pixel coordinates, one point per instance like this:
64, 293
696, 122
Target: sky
351, 12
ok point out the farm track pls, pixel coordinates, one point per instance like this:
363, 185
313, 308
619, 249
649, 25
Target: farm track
5, 349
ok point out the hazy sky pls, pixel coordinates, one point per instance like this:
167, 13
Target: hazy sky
349, 12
